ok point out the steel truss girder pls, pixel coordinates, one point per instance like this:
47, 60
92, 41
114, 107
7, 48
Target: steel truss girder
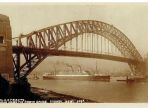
31, 60
59, 34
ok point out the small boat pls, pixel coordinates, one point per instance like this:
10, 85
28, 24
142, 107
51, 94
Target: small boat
132, 79
35, 77
99, 77
48, 76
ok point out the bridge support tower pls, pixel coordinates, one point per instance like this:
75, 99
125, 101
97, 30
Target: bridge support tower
6, 64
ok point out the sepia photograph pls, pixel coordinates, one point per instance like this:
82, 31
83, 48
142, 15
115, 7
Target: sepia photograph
73, 53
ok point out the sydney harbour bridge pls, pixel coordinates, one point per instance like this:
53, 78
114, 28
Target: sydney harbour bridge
83, 38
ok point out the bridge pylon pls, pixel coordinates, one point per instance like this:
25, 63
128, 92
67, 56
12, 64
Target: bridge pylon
6, 63
138, 69
146, 66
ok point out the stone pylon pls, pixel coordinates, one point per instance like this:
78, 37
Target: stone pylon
146, 65
6, 62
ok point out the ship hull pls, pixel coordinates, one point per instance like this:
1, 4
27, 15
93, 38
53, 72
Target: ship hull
92, 78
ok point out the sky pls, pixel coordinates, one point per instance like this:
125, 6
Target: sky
131, 19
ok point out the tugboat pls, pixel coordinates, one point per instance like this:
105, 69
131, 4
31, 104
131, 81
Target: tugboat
99, 77
133, 79
48, 76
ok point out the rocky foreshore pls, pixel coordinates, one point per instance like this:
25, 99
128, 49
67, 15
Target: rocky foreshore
54, 97
23, 92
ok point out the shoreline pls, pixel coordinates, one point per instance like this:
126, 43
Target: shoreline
54, 97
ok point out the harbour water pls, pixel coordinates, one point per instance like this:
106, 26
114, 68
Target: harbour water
113, 91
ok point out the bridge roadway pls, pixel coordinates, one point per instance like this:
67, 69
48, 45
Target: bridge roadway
45, 52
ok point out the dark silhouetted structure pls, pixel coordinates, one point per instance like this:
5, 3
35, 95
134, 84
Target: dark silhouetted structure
4, 88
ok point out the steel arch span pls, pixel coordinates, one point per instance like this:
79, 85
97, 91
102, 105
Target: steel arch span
37, 45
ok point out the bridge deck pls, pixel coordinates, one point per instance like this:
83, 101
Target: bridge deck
54, 52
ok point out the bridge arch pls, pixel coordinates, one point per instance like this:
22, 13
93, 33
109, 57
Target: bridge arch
54, 37
62, 33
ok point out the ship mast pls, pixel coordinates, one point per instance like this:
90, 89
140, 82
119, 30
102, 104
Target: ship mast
55, 70
68, 65
80, 69
97, 71
96, 67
